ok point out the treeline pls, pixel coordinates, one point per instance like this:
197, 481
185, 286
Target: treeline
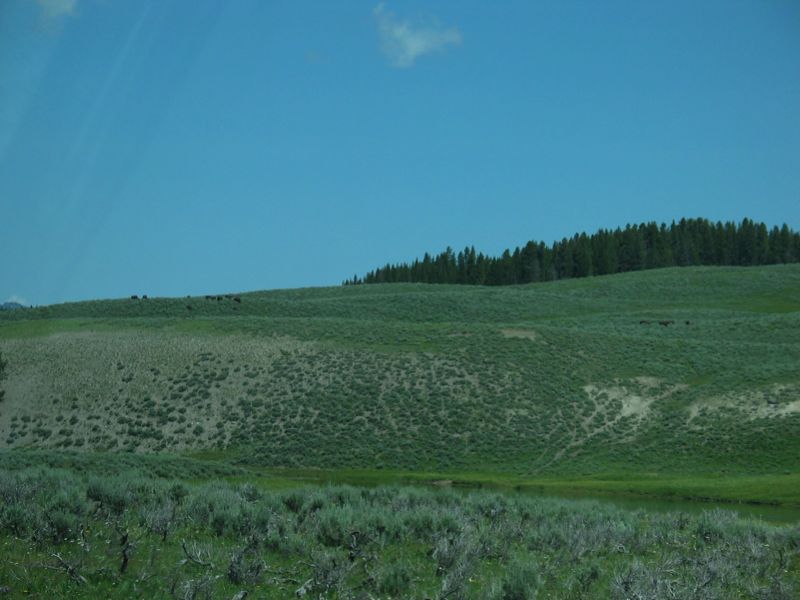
636, 247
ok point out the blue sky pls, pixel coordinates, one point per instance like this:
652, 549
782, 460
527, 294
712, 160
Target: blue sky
176, 148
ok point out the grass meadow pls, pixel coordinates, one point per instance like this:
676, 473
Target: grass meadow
557, 379
132, 535
211, 440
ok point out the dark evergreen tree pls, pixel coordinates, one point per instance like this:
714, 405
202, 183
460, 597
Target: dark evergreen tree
631, 249
583, 256
530, 269
748, 253
606, 258
644, 246
3, 364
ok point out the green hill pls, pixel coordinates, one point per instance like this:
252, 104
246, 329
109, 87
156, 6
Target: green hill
552, 379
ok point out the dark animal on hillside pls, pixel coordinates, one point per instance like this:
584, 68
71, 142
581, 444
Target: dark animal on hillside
666, 323
643, 322
237, 299
219, 298
134, 297
188, 307
688, 322
228, 296
144, 296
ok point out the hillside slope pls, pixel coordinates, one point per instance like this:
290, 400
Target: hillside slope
556, 378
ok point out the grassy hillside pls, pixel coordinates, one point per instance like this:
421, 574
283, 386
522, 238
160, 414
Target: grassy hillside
555, 379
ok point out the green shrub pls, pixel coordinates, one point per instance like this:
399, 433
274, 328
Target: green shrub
334, 526
394, 579
99, 490
19, 519
245, 565
521, 581
62, 524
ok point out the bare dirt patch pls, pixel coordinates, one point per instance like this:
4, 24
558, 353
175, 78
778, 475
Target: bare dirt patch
526, 334
618, 406
620, 399
779, 400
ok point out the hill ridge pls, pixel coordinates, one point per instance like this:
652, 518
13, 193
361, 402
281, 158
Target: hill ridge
557, 378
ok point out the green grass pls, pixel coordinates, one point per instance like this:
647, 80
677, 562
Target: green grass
556, 384
777, 490
65, 534
765, 489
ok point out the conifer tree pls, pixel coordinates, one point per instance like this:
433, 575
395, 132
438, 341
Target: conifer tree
3, 364
583, 256
644, 246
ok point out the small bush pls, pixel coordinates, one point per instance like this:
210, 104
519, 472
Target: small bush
394, 579
245, 565
521, 581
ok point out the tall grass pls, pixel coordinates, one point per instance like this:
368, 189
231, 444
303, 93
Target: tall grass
63, 534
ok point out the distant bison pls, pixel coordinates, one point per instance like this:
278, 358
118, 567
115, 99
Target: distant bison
144, 296
237, 299
188, 307
688, 322
134, 297
666, 323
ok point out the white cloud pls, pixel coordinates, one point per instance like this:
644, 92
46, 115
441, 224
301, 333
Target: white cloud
53, 9
403, 43
17, 299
